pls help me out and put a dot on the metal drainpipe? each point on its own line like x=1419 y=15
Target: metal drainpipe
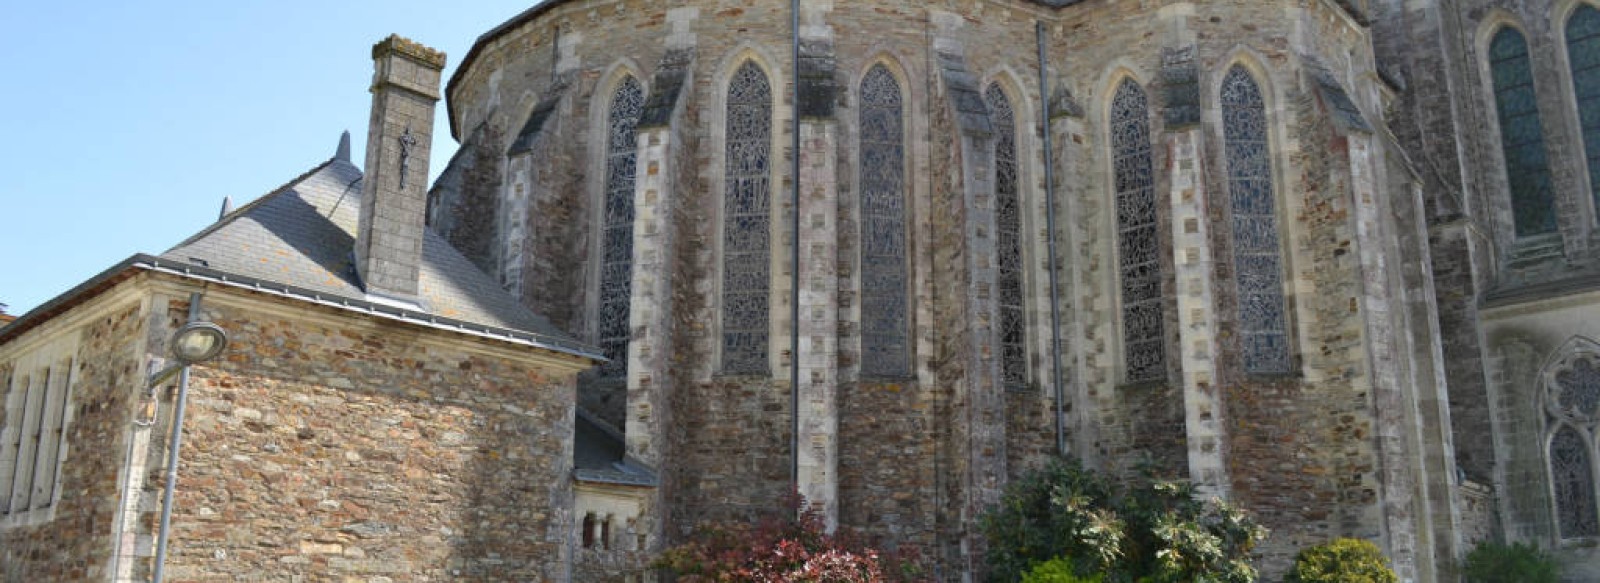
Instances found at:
x=173 y=444
x=1050 y=237
x=794 y=261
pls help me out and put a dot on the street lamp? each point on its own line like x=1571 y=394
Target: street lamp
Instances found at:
x=195 y=342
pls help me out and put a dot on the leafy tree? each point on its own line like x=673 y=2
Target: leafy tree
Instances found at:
x=1345 y=560
x=1148 y=531
x=1515 y=563
x=793 y=548
x=1057 y=570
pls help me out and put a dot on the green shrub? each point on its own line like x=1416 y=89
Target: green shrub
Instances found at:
x=1517 y=563
x=1151 y=530
x=1345 y=560
x=1057 y=570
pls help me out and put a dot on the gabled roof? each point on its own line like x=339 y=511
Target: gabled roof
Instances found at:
x=297 y=242
x=303 y=234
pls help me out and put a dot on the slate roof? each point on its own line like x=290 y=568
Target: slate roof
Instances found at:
x=303 y=235
x=599 y=455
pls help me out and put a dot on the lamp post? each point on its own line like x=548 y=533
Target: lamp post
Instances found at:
x=195 y=342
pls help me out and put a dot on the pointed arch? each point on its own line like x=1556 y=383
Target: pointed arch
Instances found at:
x=1138 y=234
x=885 y=346
x=1012 y=318
x=613 y=327
x=1521 y=134
x=1571 y=397
x=1582 y=35
x=1257 y=251
x=1572 y=470
x=747 y=221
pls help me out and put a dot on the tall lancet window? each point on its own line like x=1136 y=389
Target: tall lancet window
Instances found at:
x=1257 y=255
x=1583 y=52
x=1138 y=238
x=1573 y=401
x=884 y=349
x=1521 y=138
x=747 y=222
x=616 y=269
x=1008 y=240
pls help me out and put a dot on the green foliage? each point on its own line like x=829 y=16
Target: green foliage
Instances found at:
x=1345 y=560
x=791 y=548
x=1517 y=563
x=1149 y=531
x=1058 y=570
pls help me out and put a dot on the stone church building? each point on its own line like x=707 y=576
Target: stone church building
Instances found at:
x=1337 y=261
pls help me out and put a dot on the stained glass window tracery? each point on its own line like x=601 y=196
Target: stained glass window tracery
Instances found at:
x=1257 y=255
x=1521 y=137
x=616 y=267
x=1008 y=240
x=884 y=347
x=746 y=223
x=1572 y=476
x=1138 y=240
x=1583 y=53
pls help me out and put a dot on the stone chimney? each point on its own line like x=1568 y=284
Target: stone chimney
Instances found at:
x=394 y=190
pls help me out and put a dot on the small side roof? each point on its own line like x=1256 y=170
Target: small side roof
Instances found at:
x=298 y=241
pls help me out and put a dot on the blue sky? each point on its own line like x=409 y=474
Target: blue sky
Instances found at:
x=124 y=124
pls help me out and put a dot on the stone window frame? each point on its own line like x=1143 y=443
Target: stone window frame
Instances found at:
x=1500 y=201
x=778 y=285
x=1285 y=206
x=1111 y=84
x=1031 y=231
x=599 y=150
x=54 y=358
x=1553 y=420
x=1586 y=184
x=907 y=111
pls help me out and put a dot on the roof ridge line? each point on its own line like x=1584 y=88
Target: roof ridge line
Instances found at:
x=242 y=210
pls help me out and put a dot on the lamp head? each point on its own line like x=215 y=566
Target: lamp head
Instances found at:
x=198 y=342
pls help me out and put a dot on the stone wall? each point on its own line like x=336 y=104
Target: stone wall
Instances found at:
x=74 y=540
x=333 y=445
x=1303 y=450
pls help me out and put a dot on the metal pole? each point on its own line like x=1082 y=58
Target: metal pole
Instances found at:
x=794 y=260
x=1050 y=227
x=173 y=444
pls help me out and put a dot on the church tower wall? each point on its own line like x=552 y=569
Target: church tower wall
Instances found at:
x=1323 y=448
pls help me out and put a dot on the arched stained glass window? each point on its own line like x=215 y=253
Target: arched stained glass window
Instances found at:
x=1521 y=138
x=884 y=349
x=1138 y=239
x=1583 y=52
x=1257 y=255
x=616 y=269
x=1008 y=240
x=747 y=222
x=1572 y=476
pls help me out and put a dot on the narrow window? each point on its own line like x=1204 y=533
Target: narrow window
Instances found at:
x=746 y=226
x=885 y=351
x=52 y=436
x=1257 y=261
x=1583 y=52
x=1138 y=239
x=588 y=530
x=1008 y=240
x=16 y=403
x=1521 y=137
x=616 y=268
x=1572 y=475
x=28 y=446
